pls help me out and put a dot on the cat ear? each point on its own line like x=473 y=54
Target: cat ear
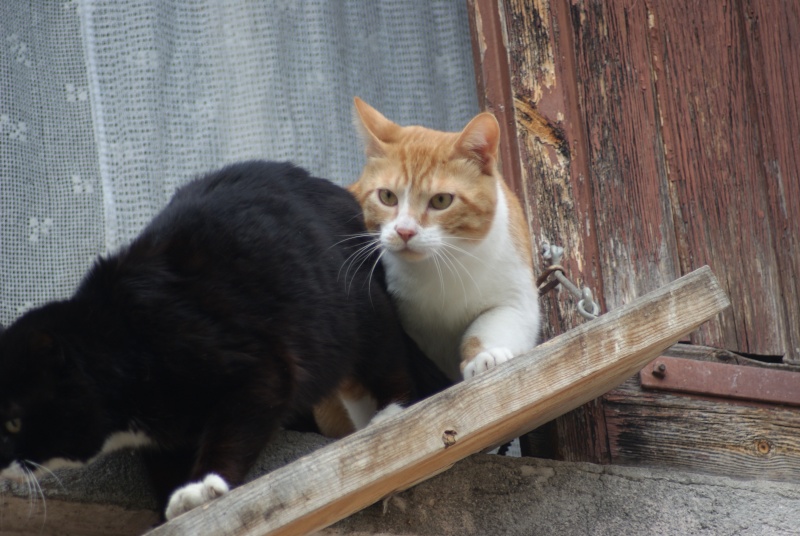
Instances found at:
x=375 y=129
x=479 y=142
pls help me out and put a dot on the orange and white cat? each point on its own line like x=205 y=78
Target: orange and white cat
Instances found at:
x=455 y=244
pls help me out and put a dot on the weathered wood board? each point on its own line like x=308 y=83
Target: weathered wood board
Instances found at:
x=658 y=428
x=487 y=410
x=771 y=29
x=627 y=172
x=703 y=80
x=35 y=517
x=719 y=436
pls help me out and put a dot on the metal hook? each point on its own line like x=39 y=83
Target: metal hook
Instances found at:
x=587 y=307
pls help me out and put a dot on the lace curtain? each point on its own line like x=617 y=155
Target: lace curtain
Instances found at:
x=107 y=106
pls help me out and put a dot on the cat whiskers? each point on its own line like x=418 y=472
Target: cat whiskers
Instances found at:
x=48 y=471
x=447 y=259
x=354 y=237
x=34 y=492
x=359 y=256
x=25 y=474
x=446 y=250
x=463 y=251
x=439 y=271
x=371 y=272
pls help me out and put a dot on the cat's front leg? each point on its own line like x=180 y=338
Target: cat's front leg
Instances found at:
x=220 y=466
x=496 y=336
x=233 y=437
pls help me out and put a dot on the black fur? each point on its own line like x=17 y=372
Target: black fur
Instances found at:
x=231 y=314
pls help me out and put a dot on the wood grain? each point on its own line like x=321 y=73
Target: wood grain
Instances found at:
x=655 y=137
x=628 y=176
x=660 y=136
x=487 y=410
x=32 y=517
x=774 y=49
x=713 y=146
x=556 y=191
x=702 y=434
x=537 y=81
x=558 y=195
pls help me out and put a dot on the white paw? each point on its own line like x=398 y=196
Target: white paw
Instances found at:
x=487 y=360
x=193 y=495
x=389 y=411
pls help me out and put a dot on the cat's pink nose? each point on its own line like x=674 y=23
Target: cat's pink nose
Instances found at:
x=405 y=234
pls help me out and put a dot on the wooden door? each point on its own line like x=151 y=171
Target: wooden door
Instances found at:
x=650 y=138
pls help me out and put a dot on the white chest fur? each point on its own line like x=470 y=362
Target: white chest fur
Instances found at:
x=441 y=297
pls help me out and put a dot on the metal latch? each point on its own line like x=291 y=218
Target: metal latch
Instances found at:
x=554 y=276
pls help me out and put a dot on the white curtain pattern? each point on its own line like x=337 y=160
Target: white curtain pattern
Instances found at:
x=106 y=107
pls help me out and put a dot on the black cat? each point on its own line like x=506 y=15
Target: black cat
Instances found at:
x=236 y=310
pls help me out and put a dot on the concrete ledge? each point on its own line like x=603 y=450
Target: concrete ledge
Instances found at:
x=495 y=495
x=483 y=494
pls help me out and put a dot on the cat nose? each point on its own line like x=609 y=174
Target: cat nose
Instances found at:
x=405 y=233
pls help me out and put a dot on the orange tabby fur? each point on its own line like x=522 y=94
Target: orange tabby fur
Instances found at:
x=420 y=158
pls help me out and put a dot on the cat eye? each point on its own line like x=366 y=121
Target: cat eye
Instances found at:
x=441 y=201
x=387 y=197
x=13 y=426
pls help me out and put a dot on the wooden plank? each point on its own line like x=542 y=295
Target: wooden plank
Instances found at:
x=774 y=51
x=704 y=85
x=33 y=516
x=430 y=436
x=556 y=190
x=723 y=380
x=658 y=429
x=634 y=218
x=582 y=435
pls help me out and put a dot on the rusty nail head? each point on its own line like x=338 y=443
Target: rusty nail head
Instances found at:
x=659 y=370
